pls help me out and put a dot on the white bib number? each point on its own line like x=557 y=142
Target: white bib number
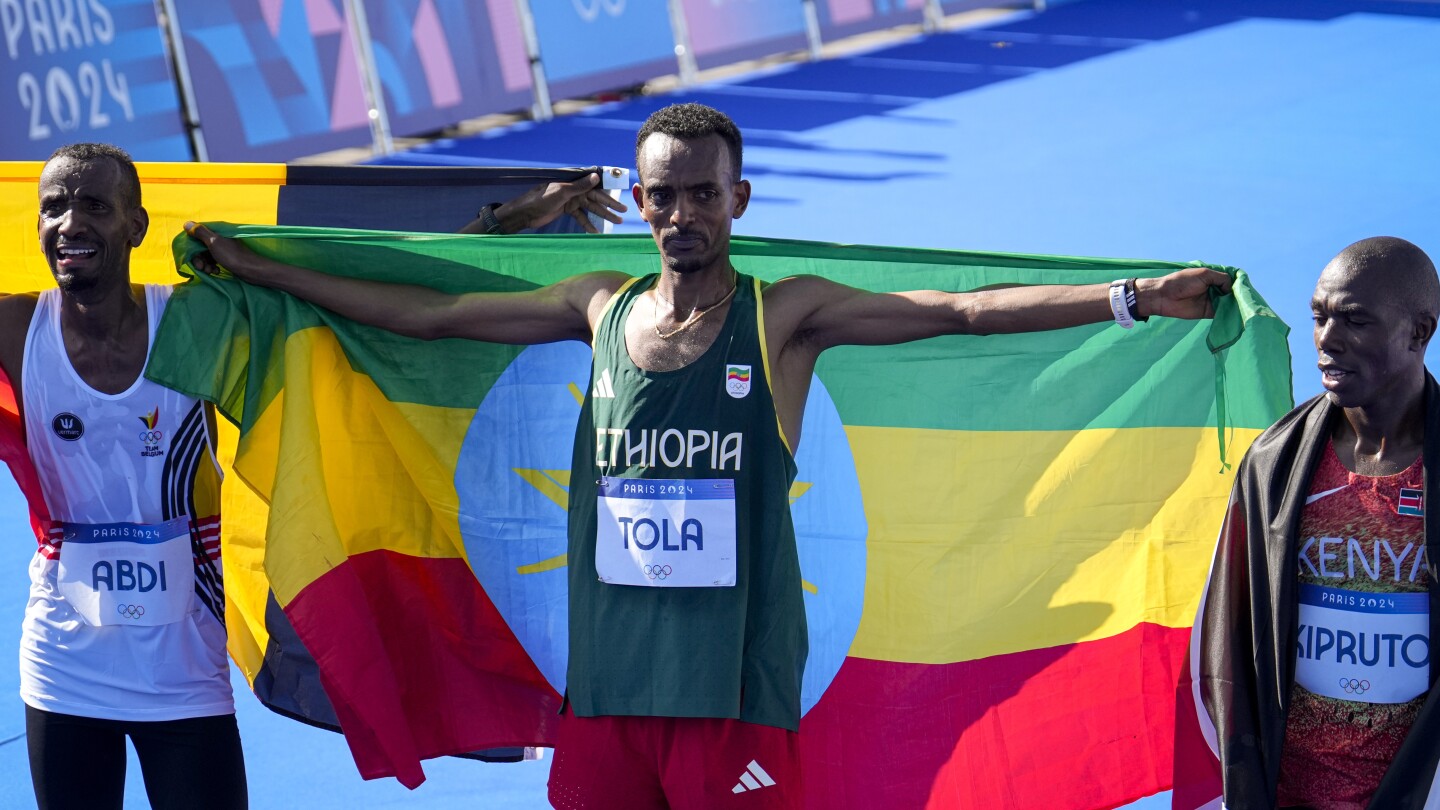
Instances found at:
x=1366 y=647
x=666 y=533
x=128 y=573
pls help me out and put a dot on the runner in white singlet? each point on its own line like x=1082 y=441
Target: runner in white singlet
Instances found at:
x=104 y=609
x=124 y=632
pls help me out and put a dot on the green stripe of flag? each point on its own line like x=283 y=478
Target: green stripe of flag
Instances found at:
x=1089 y=377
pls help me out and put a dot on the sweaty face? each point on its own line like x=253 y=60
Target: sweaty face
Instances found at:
x=86 y=227
x=688 y=194
x=1364 y=336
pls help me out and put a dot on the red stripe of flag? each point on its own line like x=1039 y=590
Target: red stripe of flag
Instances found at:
x=1075 y=727
x=17 y=456
x=418 y=663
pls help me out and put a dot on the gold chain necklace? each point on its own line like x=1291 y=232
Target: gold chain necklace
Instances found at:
x=695 y=315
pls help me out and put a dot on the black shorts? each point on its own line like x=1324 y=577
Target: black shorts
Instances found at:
x=79 y=762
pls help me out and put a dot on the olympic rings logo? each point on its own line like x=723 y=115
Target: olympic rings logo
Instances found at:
x=152 y=436
x=589 y=10
x=658 y=571
x=1354 y=687
x=130 y=611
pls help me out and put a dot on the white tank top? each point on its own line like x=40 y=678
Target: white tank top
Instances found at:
x=142 y=456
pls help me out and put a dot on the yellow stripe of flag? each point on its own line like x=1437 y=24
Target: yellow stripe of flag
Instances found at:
x=963 y=566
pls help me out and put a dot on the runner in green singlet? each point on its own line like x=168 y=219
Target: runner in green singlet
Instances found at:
x=686 y=657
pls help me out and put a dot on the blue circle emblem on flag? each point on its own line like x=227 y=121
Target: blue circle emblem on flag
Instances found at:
x=514 y=485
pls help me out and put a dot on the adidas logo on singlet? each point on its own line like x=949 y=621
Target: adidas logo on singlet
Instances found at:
x=753 y=778
x=604 y=388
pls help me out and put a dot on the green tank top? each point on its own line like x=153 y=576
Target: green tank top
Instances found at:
x=733 y=652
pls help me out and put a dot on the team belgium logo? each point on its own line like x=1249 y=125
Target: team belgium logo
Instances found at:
x=514 y=489
x=151 y=436
x=68 y=427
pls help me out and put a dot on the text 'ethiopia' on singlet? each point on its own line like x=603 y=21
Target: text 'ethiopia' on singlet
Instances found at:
x=1363 y=654
x=126 y=613
x=685 y=595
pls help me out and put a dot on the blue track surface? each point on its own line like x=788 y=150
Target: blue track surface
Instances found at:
x=1263 y=135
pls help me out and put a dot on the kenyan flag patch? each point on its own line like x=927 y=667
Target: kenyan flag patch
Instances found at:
x=1412 y=502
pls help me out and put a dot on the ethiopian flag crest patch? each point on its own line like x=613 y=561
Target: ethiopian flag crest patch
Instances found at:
x=737 y=381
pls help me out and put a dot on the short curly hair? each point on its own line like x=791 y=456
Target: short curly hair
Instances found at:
x=689 y=122
x=86 y=152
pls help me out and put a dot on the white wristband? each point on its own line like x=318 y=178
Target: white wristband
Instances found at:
x=1117 y=305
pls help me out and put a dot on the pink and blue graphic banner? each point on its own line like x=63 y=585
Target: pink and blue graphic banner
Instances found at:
x=277 y=79
x=725 y=31
x=952 y=6
x=841 y=18
x=442 y=61
x=87 y=70
x=589 y=46
x=274 y=79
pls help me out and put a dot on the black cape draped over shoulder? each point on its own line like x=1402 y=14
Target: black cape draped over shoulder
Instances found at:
x=1250 y=614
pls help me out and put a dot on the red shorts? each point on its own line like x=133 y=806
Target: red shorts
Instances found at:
x=683 y=763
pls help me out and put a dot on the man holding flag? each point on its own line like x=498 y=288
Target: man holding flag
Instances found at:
x=687 y=632
x=124 y=630
x=124 y=633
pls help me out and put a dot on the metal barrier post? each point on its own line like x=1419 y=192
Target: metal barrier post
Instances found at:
x=934 y=15
x=175 y=44
x=370 y=79
x=541 y=110
x=684 y=54
x=812 y=28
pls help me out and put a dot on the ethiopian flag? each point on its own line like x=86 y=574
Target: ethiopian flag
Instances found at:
x=1002 y=539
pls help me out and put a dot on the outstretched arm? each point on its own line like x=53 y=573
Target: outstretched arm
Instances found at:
x=546 y=203
x=823 y=313
x=561 y=311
